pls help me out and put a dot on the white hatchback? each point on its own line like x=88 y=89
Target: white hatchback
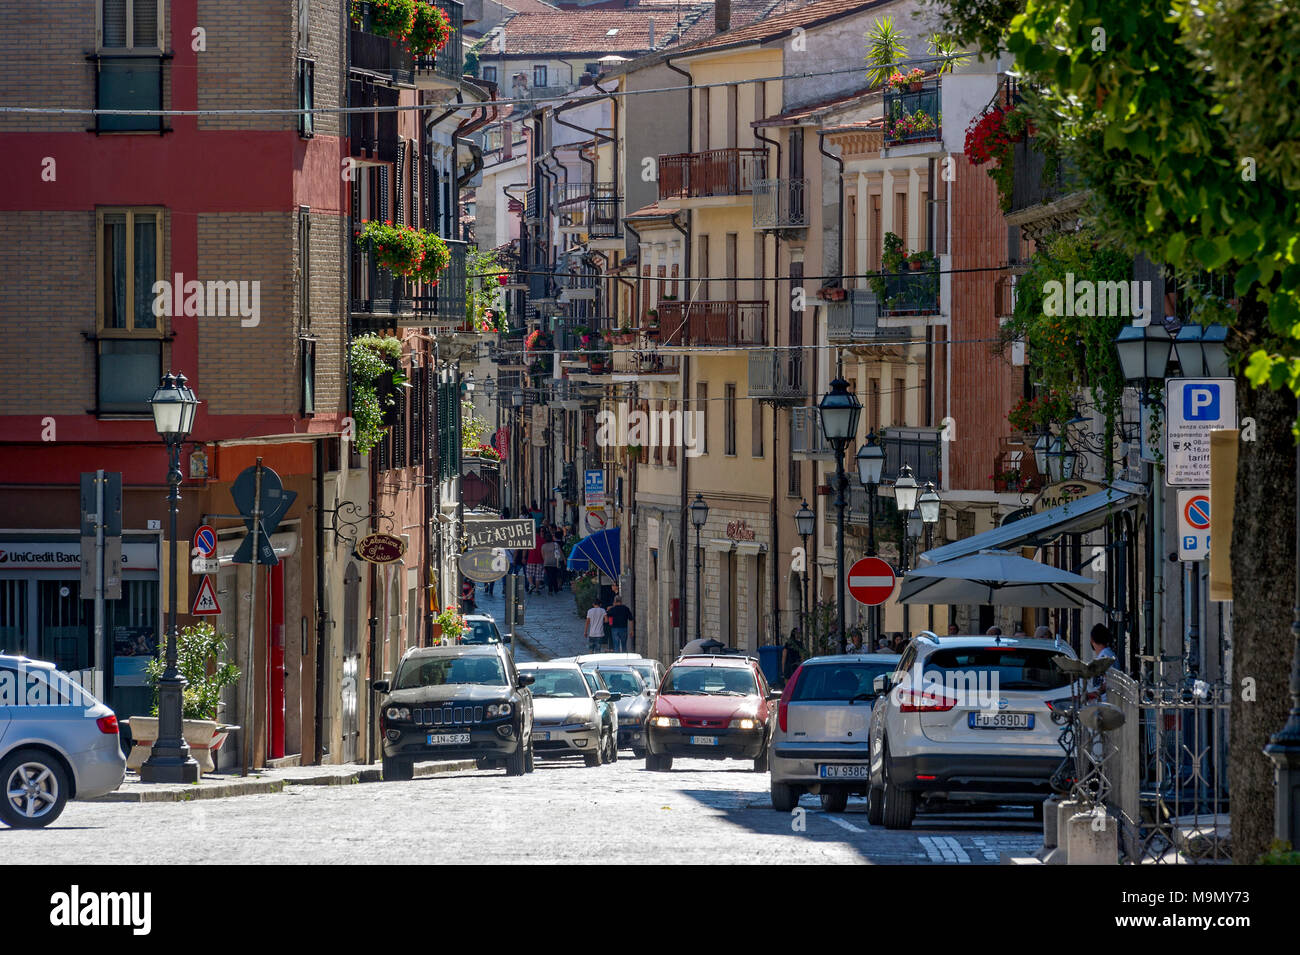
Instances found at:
x=966 y=719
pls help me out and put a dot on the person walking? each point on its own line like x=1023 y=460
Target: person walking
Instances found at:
x=791 y=655
x=467 y=602
x=620 y=624
x=551 y=563
x=536 y=568
x=594 y=627
x=1101 y=641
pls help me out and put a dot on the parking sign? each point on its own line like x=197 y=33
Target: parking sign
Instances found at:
x=1195 y=407
x=1194 y=524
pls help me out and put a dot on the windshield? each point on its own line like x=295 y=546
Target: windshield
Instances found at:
x=626 y=682
x=557 y=683
x=709 y=681
x=482 y=631
x=1016 y=668
x=440 y=671
x=647 y=672
x=838 y=682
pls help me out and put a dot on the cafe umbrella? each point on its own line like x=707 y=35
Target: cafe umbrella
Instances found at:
x=997 y=578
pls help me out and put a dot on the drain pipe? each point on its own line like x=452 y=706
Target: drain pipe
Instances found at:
x=776 y=337
x=684 y=501
x=839 y=234
x=322 y=605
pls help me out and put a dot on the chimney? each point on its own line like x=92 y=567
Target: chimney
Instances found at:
x=652 y=33
x=722 y=15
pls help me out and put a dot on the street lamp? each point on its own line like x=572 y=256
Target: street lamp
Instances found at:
x=1143 y=353
x=840 y=409
x=929 y=505
x=169 y=761
x=805 y=522
x=1202 y=351
x=1061 y=461
x=871 y=462
x=699 y=517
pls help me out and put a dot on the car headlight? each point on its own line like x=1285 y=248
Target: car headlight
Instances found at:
x=398 y=713
x=498 y=709
x=745 y=724
x=666 y=721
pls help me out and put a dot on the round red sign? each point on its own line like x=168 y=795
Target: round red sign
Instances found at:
x=871 y=581
x=381 y=548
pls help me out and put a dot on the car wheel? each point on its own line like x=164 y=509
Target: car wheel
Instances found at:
x=483 y=763
x=835 y=800
x=638 y=754
x=658 y=764
x=784 y=797
x=35 y=789
x=398 y=770
x=875 y=805
x=593 y=759
x=517 y=762
x=761 y=763
x=900 y=804
x=529 y=760
x=613 y=747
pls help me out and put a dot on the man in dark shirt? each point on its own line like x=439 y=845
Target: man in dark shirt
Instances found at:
x=619 y=618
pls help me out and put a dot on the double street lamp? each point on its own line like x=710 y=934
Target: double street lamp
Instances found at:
x=906 y=493
x=699 y=517
x=839 y=409
x=871 y=462
x=170 y=761
x=929 y=505
x=805 y=522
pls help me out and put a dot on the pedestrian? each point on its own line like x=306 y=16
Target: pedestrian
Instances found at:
x=551 y=563
x=900 y=643
x=620 y=620
x=1101 y=641
x=953 y=630
x=993 y=632
x=1042 y=632
x=594 y=628
x=536 y=568
x=854 y=643
x=467 y=602
x=1020 y=635
x=791 y=655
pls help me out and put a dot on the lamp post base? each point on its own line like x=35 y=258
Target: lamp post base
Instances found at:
x=169 y=768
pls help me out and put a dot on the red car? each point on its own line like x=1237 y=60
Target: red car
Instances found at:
x=711 y=707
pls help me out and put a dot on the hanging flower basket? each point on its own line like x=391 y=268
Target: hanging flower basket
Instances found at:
x=431 y=29
x=391 y=18
x=397 y=249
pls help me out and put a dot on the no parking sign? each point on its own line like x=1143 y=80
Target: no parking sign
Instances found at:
x=1194 y=524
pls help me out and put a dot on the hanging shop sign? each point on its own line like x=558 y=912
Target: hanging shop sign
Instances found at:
x=1063 y=492
x=381 y=549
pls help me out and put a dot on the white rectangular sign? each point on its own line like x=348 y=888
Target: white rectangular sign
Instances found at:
x=1193 y=408
x=204 y=565
x=1194 y=524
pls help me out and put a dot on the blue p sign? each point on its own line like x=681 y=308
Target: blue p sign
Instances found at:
x=1201 y=403
x=1189 y=543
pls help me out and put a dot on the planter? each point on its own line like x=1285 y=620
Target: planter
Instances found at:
x=915 y=266
x=651 y=332
x=916 y=87
x=623 y=338
x=203 y=736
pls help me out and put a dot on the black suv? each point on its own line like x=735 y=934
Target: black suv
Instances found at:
x=461 y=702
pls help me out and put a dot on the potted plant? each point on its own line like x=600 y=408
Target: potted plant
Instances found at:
x=652 y=324
x=198 y=647
x=430 y=29
x=885 y=46
x=916 y=79
x=448 y=626
x=391 y=18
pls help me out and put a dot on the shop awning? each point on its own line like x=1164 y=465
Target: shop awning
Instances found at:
x=599 y=550
x=1076 y=517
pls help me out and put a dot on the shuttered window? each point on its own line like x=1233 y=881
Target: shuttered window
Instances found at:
x=130 y=24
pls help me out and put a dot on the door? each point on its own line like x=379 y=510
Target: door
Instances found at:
x=350 y=722
x=13 y=617
x=275 y=660
x=796 y=175
x=732 y=588
x=64 y=635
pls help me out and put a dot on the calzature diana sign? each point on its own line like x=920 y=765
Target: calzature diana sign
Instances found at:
x=515 y=533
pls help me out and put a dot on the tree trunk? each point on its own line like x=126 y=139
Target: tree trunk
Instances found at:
x=1263 y=581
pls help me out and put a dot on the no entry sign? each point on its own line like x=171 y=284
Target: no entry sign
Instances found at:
x=871 y=581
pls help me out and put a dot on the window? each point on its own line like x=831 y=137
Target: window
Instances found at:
x=419 y=399
x=304 y=266
x=124 y=80
x=129 y=334
x=729 y=426
x=490 y=74
x=539 y=76
x=306 y=98
x=308 y=353
x=304 y=24
x=900 y=401
x=399 y=427
x=702 y=283
x=701 y=416
x=794 y=472
x=756 y=429
x=593 y=68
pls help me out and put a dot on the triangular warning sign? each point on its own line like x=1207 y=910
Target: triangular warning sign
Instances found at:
x=205 y=601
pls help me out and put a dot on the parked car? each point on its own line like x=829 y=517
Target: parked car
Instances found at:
x=460 y=702
x=821 y=743
x=607 y=706
x=711 y=707
x=934 y=738
x=482 y=630
x=57 y=742
x=569 y=710
x=652 y=671
x=633 y=705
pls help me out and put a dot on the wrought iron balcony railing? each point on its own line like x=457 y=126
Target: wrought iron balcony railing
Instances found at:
x=912 y=292
x=713 y=323
x=920 y=448
x=377 y=292
x=912 y=115
x=806 y=435
x=1034 y=180
x=857 y=318
x=777 y=375
x=780 y=203
x=449 y=62
x=715 y=172
x=376 y=54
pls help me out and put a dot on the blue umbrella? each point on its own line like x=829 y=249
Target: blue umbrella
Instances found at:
x=599 y=549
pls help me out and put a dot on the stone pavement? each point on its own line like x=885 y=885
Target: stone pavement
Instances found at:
x=551 y=627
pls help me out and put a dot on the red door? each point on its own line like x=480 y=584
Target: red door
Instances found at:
x=275 y=660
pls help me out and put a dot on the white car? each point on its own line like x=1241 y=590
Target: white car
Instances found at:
x=822 y=744
x=966 y=719
x=652 y=671
x=481 y=628
x=573 y=714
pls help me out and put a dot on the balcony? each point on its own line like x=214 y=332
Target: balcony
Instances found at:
x=911 y=292
x=806 y=436
x=912 y=115
x=859 y=500
x=857 y=319
x=394 y=301
x=591 y=208
x=372 y=135
x=1044 y=195
x=443 y=70
x=378 y=55
x=716 y=172
x=781 y=204
x=920 y=448
x=725 y=324
x=777 y=376
x=1015 y=470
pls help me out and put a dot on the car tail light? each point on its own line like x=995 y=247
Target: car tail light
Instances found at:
x=1063 y=704
x=107 y=724
x=785 y=696
x=914 y=701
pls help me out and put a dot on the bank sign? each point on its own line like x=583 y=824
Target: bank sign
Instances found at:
x=56 y=555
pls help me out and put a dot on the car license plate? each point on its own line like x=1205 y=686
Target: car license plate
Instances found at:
x=843 y=772
x=704 y=741
x=448 y=739
x=1001 y=721
x=543 y=735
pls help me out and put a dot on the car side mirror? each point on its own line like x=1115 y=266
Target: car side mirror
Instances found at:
x=881 y=684
x=507 y=638
x=602 y=696
x=615 y=697
x=380 y=686
x=526 y=679
x=773 y=695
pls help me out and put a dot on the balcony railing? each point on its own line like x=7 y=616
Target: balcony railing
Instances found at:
x=716 y=172
x=1015 y=471
x=449 y=62
x=912 y=293
x=604 y=217
x=777 y=375
x=713 y=323
x=445 y=303
x=372 y=53
x=920 y=448
x=1033 y=180
x=857 y=318
x=780 y=204
x=859 y=500
x=806 y=435
x=912 y=115
x=373 y=135
x=377 y=292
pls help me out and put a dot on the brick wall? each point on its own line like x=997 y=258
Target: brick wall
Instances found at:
x=328 y=319
x=249 y=62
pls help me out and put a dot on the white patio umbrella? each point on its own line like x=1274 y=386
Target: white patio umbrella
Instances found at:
x=995 y=577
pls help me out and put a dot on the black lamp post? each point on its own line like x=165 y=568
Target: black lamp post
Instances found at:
x=170 y=761
x=871 y=462
x=699 y=517
x=929 y=505
x=906 y=492
x=840 y=409
x=805 y=522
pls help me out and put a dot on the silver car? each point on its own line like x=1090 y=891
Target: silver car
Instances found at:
x=633 y=705
x=652 y=671
x=57 y=742
x=567 y=714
